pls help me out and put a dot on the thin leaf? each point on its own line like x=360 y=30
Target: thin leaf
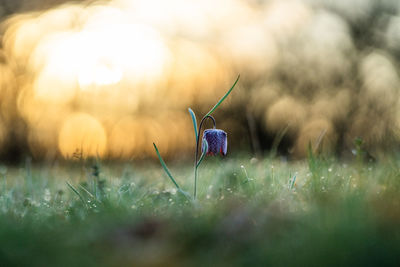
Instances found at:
x=292 y=182
x=76 y=192
x=277 y=140
x=86 y=191
x=223 y=98
x=186 y=194
x=203 y=154
x=165 y=168
x=194 y=122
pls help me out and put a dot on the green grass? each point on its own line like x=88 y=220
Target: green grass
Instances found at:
x=248 y=213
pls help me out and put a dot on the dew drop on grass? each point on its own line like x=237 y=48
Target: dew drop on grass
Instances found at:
x=47 y=195
x=171 y=191
x=253 y=161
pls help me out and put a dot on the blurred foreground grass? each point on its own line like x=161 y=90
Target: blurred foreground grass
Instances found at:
x=249 y=212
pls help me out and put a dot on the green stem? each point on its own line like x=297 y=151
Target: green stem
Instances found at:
x=196 y=155
x=195 y=182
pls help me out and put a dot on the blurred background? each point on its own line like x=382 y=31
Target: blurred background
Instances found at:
x=108 y=78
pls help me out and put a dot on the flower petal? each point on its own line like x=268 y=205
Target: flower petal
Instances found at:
x=216 y=140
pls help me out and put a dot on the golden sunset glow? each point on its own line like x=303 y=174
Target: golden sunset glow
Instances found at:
x=83 y=134
x=112 y=77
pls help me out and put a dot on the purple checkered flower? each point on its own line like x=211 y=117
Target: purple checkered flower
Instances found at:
x=216 y=140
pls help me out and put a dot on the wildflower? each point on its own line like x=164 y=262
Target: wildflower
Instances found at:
x=216 y=140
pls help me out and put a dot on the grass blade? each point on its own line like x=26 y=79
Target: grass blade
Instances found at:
x=194 y=122
x=87 y=192
x=223 y=98
x=186 y=194
x=292 y=182
x=277 y=140
x=165 y=168
x=76 y=192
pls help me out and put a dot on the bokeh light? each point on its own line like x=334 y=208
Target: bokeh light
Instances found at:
x=111 y=77
x=83 y=134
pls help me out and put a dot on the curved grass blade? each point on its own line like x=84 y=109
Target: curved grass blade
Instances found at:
x=194 y=122
x=165 y=168
x=223 y=98
x=76 y=192
x=87 y=192
x=203 y=154
x=292 y=182
x=277 y=140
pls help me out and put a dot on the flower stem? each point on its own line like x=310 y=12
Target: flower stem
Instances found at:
x=196 y=155
x=195 y=182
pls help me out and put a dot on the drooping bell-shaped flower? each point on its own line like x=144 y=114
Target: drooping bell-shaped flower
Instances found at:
x=216 y=140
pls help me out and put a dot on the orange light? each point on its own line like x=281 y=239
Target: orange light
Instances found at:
x=82 y=132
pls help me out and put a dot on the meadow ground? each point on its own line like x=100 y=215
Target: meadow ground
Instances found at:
x=249 y=213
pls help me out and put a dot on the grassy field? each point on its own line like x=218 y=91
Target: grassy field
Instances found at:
x=249 y=212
